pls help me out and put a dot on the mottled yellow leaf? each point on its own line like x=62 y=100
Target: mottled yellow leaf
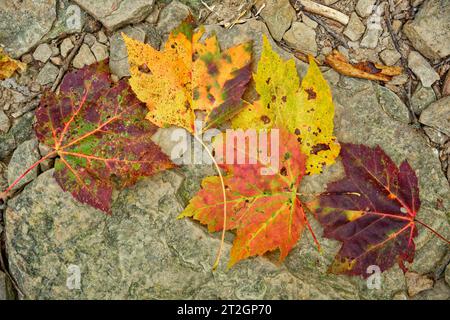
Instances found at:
x=189 y=75
x=8 y=65
x=306 y=110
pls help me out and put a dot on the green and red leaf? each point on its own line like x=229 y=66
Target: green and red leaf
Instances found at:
x=98 y=130
x=371 y=211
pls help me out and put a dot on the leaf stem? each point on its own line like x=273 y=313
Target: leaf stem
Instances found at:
x=329 y=194
x=222 y=241
x=432 y=230
x=51 y=154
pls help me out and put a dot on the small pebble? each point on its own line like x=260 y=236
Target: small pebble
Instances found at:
x=57 y=61
x=90 y=39
x=42 y=53
x=66 y=47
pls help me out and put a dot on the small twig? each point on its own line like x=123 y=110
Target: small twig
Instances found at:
x=442 y=62
x=404 y=63
x=325 y=11
x=394 y=36
x=237 y=20
x=67 y=63
x=260 y=10
x=211 y=9
x=297 y=53
x=334 y=34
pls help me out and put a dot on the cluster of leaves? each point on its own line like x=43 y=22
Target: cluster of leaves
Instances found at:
x=266 y=211
x=98 y=132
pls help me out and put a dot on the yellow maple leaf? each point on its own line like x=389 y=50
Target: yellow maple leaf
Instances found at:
x=189 y=75
x=306 y=110
x=8 y=65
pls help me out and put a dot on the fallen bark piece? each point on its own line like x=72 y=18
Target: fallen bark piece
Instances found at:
x=364 y=70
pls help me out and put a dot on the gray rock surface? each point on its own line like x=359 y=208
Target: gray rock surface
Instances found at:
x=422 y=69
x=84 y=57
x=355 y=28
x=370 y=38
x=24 y=23
x=364 y=7
x=437 y=115
x=48 y=74
x=90 y=39
x=23 y=158
x=22 y=129
x=422 y=98
x=70 y=19
x=435 y=135
x=100 y=51
x=440 y=291
x=3 y=177
x=391 y=104
x=65 y=47
x=101 y=37
x=114 y=14
x=5 y=124
x=429 y=32
x=171 y=16
x=6 y=288
x=417 y=283
x=278 y=16
x=143 y=252
x=447 y=275
x=42 y=53
x=302 y=38
x=118 y=62
x=7 y=144
x=390 y=57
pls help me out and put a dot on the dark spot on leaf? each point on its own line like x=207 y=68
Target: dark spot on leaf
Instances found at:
x=268 y=80
x=319 y=147
x=265 y=119
x=212 y=69
x=283 y=171
x=284 y=98
x=311 y=93
x=297 y=131
x=144 y=69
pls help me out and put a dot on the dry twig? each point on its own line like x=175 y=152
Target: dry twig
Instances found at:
x=330 y=31
x=324 y=11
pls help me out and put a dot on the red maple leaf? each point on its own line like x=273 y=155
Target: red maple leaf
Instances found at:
x=99 y=133
x=372 y=211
